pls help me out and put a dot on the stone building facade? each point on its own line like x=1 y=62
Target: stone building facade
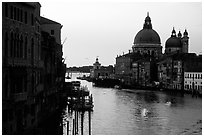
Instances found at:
x=172 y=67
x=23 y=67
x=99 y=71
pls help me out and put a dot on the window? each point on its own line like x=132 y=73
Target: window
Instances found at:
x=6 y=44
x=32 y=19
x=11 y=45
x=11 y=12
x=25 y=17
x=6 y=10
x=25 y=48
x=15 y=13
x=52 y=32
x=21 y=15
x=32 y=49
x=17 y=46
x=21 y=46
x=18 y=14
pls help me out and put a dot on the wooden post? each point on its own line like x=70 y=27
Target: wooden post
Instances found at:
x=75 y=122
x=77 y=127
x=82 y=124
x=67 y=127
x=89 y=122
x=73 y=128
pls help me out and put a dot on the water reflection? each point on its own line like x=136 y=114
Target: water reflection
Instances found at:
x=132 y=112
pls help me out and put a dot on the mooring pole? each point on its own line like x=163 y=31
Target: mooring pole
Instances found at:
x=73 y=128
x=75 y=115
x=89 y=122
x=67 y=127
x=82 y=124
x=77 y=122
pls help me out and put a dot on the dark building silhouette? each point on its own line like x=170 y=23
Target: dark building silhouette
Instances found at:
x=138 y=67
x=23 y=67
x=147 y=40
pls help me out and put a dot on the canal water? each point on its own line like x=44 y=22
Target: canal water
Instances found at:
x=139 y=112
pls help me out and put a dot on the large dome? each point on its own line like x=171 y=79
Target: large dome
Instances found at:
x=147 y=36
x=173 y=42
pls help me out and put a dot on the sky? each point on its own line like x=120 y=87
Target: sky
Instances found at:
x=107 y=28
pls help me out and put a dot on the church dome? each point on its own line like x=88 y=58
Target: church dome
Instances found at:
x=173 y=41
x=147 y=34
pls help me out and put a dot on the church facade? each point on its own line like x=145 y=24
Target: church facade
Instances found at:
x=146 y=65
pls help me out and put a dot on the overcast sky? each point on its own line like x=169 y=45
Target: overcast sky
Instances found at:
x=108 y=28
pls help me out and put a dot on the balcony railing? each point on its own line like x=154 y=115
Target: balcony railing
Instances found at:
x=20 y=96
x=17 y=62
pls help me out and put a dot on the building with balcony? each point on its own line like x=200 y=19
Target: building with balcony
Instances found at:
x=24 y=67
x=172 y=68
x=20 y=64
x=193 y=81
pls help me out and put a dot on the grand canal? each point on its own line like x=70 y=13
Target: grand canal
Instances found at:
x=139 y=112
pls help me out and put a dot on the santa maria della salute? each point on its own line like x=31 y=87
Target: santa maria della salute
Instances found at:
x=146 y=65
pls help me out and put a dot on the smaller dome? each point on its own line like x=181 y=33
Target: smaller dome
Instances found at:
x=173 y=42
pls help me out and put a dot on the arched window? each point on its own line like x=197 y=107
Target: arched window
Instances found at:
x=32 y=48
x=21 y=46
x=25 y=47
x=17 y=46
x=12 y=45
x=6 y=44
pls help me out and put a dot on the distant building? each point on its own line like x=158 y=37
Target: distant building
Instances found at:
x=100 y=72
x=193 y=81
x=171 y=69
x=138 y=67
x=146 y=64
x=144 y=72
x=177 y=43
x=123 y=68
x=193 y=75
x=147 y=40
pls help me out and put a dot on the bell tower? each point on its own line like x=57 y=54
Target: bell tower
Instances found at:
x=185 y=42
x=96 y=65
